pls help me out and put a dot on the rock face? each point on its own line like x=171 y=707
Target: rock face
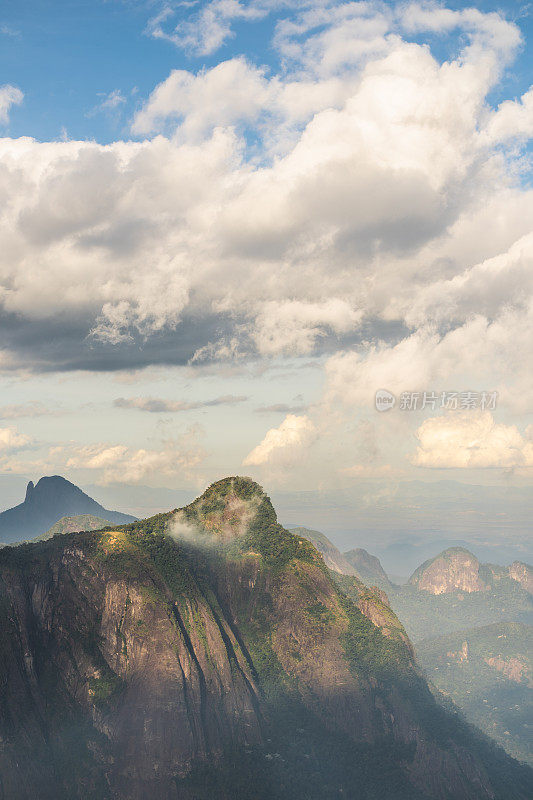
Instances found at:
x=208 y=653
x=453 y=570
x=513 y=668
x=48 y=501
x=523 y=574
x=368 y=568
x=458 y=570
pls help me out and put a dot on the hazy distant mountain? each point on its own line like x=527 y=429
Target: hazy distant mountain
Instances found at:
x=81 y=522
x=221 y=661
x=332 y=556
x=458 y=570
x=355 y=562
x=45 y=503
x=488 y=673
x=368 y=568
x=454 y=591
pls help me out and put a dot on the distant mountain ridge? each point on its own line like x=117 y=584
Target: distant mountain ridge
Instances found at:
x=47 y=502
x=358 y=562
x=368 y=568
x=333 y=558
x=475 y=621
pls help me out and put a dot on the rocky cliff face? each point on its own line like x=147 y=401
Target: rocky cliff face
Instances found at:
x=453 y=570
x=522 y=574
x=458 y=570
x=218 y=661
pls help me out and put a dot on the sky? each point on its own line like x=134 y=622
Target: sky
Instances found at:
x=225 y=226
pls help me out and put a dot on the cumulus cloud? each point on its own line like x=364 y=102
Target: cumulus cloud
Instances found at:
x=9 y=96
x=478 y=353
x=11 y=440
x=487 y=30
x=118 y=463
x=284 y=444
x=470 y=440
x=292 y=327
x=364 y=199
x=512 y=120
x=230 y=92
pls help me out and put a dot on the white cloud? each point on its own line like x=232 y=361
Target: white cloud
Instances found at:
x=233 y=91
x=284 y=212
x=480 y=354
x=472 y=440
x=512 y=120
x=292 y=327
x=284 y=444
x=490 y=32
x=11 y=440
x=118 y=463
x=7 y=30
x=109 y=103
x=9 y=96
x=206 y=31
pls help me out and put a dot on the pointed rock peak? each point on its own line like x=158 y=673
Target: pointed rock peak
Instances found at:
x=29 y=490
x=229 y=506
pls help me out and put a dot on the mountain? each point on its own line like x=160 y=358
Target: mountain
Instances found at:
x=471 y=624
x=454 y=591
x=45 y=503
x=406 y=522
x=457 y=569
x=208 y=653
x=368 y=568
x=355 y=562
x=81 y=522
x=332 y=556
x=488 y=673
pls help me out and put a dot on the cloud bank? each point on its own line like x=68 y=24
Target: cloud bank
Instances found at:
x=279 y=213
x=361 y=202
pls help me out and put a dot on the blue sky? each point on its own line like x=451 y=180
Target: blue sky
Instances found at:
x=67 y=56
